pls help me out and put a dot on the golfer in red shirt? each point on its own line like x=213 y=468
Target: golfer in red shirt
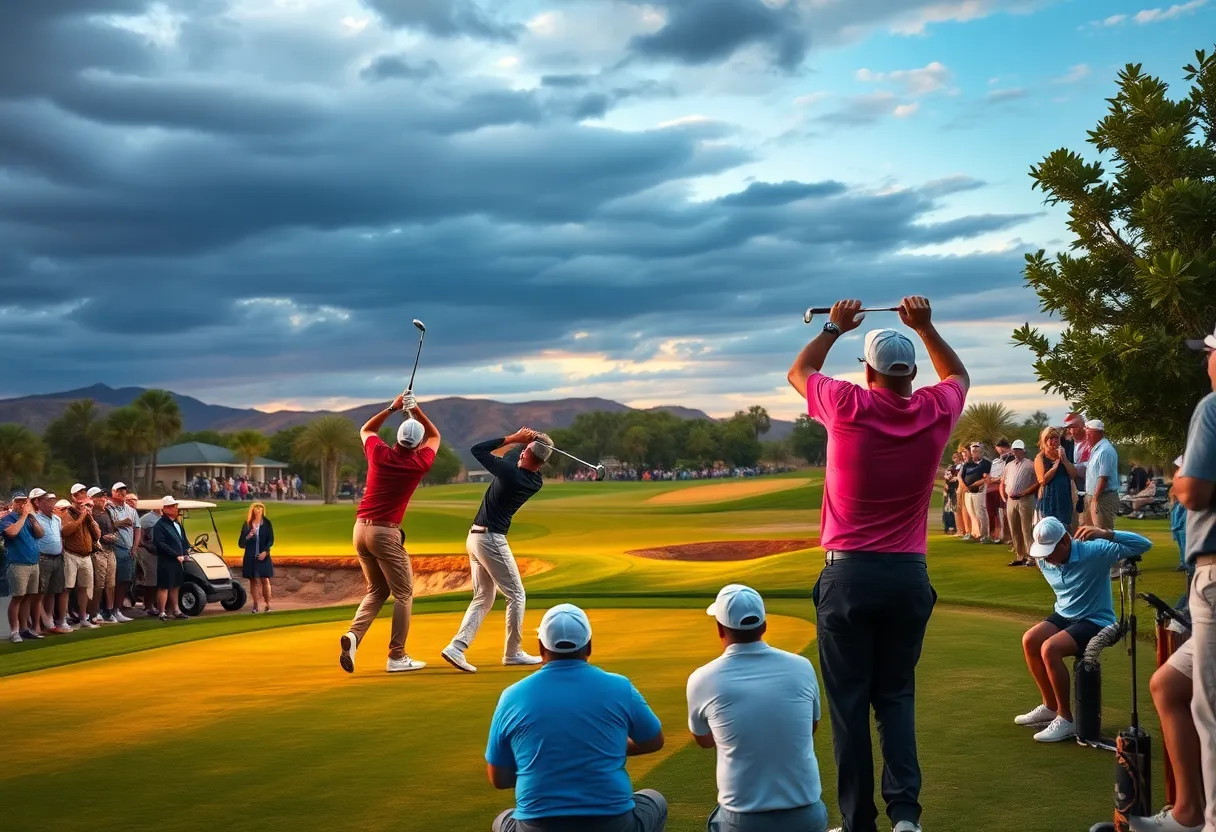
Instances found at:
x=873 y=598
x=392 y=476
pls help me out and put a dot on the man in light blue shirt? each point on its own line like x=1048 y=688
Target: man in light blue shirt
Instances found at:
x=54 y=610
x=1101 y=478
x=1077 y=569
x=560 y=738
x=759 y=707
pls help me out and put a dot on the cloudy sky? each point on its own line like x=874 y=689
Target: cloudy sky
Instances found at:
x=248 y=200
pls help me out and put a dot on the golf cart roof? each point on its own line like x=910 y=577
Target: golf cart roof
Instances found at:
x=185 y=505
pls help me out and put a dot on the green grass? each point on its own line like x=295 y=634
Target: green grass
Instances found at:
x=250 y=718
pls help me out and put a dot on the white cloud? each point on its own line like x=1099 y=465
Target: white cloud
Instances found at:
x=1076 y=73
x=958 y=11
x=509 y=62
x=905 y=110
x=811 y=98
x=1113 y=20
x=545 y=24
x=1173 y=12
x=930 y=78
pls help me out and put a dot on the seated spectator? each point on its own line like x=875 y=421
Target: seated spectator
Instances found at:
x=759 y=707
x=1172 y=687
x=1078 y=570
x=560 y=738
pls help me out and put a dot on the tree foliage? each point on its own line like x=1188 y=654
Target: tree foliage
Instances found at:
x=809 y=440
x=164 y=424
x=985 y=422
x=75 y=440
x=207 y=437
x=329 y=441
x=447 y=466
x=22 y=456
x=1141 y=273
x=128 y=432
x=248 y=445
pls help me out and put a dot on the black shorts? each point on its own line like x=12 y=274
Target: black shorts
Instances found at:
x=1081 y=631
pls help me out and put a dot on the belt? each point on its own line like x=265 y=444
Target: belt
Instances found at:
x=904 y=557
x=384 y=524
x=478 y=530
x=1205 y=560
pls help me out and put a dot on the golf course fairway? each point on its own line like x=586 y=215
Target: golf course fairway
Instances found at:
x=240 y=722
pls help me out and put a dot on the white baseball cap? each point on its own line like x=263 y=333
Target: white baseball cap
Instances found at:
x=1047 y=535
x=117 y=486
x=93 y=492
x=1095 y=424
x=890 y=352
x=168 y=501
x=1178 y=462
x=564 y=629
x=738 y=607
x=63 y=504
x=1019 y=445
x=76 y=488
x=410 y=433
x=37 y=493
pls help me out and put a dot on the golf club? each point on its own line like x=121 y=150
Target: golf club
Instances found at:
x=421 y=328
x=600 y=470
x=823 y=310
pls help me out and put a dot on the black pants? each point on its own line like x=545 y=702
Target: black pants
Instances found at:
x=872 y=611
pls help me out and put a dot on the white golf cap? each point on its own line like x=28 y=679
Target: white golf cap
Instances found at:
x=1207 y=343
x=36 y=493
x=540 y=450
x=63 y=504
x=77 y=488
x=410 y=433
x=1047 y=535
x=1178 y=462
x=979 y=445
x=738 y=607
x=1077 y=418
x=93 y=492
x=168 y=501
x=1019 y=445
x=1095 y=424
x=890 y=352
x=564 y=629
x=118 y=486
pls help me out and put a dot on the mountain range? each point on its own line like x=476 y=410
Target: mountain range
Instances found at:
x=463 y=421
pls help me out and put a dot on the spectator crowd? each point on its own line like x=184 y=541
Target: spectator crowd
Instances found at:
x=242 y=489
x=632 y=474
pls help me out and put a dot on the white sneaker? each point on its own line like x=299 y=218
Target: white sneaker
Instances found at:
x=120 y=618
x=1059 y=730
x=1162 y=822
x=906 y=826
x=403 y=665
x=15 y=637
x=86 y=624
x=349 y=645
x=454 y=656
x=521 y=659
x=1039 y=716
x=105 y=619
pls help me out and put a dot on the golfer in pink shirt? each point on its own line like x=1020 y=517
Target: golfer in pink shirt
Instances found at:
x=873 y=598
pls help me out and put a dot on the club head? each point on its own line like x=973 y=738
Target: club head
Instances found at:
x=808 y=315
x=600 y=473
x=421 y=326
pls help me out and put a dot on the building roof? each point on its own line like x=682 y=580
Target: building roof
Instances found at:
x=200 y=453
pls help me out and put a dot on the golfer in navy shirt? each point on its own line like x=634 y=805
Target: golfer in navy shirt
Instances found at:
x=1078 y=570
x=560 y=738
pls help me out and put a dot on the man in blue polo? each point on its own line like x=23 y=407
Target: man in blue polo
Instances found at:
x=759 y=707
x=21 y=532
x=560 y=738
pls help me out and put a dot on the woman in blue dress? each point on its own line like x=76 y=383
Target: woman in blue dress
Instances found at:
x=1055 y=475
x=257 y=536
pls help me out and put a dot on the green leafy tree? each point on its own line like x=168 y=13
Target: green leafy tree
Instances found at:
x=447 y=466
x=1141 y=273
x=22 y=455
x=634 y=445
x=248 y=445
x=164 y=424
x=739 y=443
x=985 y=422
x=81 y=417
x=329 y=441
x=758 y=417
x=702 y=446
x=809 y=439
x=127 y=432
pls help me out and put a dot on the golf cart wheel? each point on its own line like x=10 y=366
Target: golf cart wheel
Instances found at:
x=191 y=600
x=238 y=599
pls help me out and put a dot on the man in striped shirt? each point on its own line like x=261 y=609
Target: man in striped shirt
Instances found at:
x=1019 y=489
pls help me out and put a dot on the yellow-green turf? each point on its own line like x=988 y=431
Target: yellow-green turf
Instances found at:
x=243 y=722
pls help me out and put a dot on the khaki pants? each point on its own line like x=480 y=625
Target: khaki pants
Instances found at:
x=977 y=509
x=1203 y=703
x=105 y=569
x=1100 y=511
x=386 y=566
x=493 y=567
x=1021 y=524
x=78 y=572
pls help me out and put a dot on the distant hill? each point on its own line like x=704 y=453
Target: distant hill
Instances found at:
x=463 y=421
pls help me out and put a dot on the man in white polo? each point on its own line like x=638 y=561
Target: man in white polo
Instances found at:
x=759 y=707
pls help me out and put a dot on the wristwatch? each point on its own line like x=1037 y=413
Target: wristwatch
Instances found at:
x=831 y=328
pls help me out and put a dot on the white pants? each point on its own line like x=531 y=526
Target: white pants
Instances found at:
x=977 y=508
x=493 y=567
x=1203 y=702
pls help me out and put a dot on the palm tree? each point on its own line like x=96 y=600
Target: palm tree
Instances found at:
x=128 y=432
x=759 y=418
x=328 y=440
x=21 y=455
x=164 y=424
x=985 y=422
x=81 y=419
x=248 y=445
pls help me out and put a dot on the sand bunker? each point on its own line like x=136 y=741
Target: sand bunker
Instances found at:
x=724 y=550
x=722 y=491
x=300 y=582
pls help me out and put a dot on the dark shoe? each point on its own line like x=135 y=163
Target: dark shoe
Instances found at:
x=1017 y=563
x=181 y=616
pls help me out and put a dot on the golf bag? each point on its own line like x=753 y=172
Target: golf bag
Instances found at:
x=1087 y=683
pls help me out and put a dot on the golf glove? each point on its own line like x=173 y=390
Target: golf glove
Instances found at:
x=408 y=402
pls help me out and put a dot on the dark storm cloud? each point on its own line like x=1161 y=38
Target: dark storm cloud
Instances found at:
x=760 y=194
x=710 y=31
x=383 y=67
x=444 y=18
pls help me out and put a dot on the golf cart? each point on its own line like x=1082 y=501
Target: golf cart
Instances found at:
x=208 y=578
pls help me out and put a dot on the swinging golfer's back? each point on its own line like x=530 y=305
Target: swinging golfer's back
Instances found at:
x=873 y=598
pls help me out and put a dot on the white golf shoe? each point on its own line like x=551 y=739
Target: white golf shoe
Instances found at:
x=120 y=618
x=1041 y=715
x=1059 y=730
x=403 y=665
x=454 y=656
x=349 y=645
x=521 y=659
x=1163 y=821
x=906 y=826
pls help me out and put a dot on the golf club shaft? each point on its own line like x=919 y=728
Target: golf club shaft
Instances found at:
x=417 y=356
x=576 y=459
x=823 y=310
